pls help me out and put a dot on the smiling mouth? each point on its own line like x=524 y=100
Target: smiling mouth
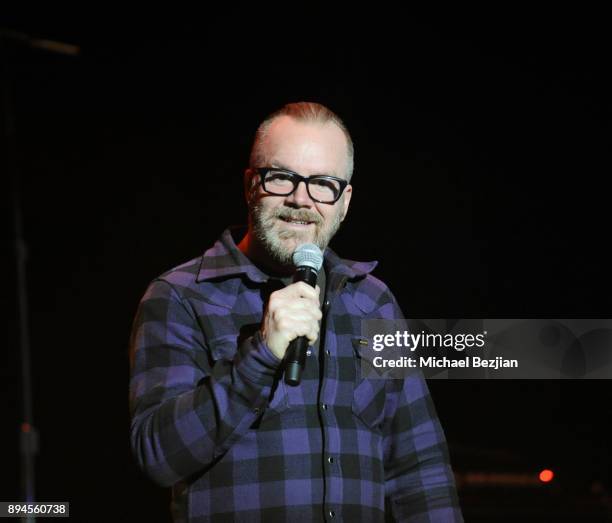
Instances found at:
x=295 y=222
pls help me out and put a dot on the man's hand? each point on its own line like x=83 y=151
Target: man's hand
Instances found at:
x=291 y=312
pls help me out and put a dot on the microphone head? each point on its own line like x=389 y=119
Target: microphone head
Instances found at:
x=308 y=255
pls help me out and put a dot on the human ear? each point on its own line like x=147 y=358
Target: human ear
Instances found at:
x=346 y=200
x=248 y=185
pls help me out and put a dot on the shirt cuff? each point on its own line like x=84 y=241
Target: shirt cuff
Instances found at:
x=257 y=364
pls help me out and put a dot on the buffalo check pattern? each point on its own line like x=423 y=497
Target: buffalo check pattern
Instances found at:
x=212 y=418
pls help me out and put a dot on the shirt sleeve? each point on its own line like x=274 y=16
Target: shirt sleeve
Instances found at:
x=187 y=410
x=419 y=481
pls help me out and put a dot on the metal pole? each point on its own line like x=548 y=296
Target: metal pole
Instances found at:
x=29 y=437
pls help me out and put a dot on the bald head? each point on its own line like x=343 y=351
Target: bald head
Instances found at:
x=306 y=147
x=318 y=116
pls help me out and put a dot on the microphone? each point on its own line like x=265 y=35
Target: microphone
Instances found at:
x=308 y=260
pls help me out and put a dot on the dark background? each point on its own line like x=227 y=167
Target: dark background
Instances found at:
x=481 y=186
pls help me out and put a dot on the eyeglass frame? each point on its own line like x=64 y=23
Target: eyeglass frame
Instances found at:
x=262 y=171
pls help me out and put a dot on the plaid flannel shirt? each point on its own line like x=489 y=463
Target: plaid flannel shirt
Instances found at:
x=212 y=417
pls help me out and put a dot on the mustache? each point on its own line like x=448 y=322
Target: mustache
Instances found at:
x=302 y=215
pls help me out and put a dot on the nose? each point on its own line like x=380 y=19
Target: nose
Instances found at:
x=300 y=196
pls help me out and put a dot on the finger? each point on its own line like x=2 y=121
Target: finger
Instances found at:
x=309 y=329
x=303 y=328
x=290 y=296
x=302 y=290
x=296 y=311
x=312 y=336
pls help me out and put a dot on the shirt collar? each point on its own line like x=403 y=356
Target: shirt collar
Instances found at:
x=224 y=260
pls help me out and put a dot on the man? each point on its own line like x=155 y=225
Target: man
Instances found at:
x=212 y=416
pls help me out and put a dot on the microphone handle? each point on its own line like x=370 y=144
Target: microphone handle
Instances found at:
x=295 y=358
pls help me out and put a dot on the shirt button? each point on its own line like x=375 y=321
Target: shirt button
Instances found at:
x=324 y=406
x=327 y=352
x=330 y=459
x=332 y=514
x=308 y=352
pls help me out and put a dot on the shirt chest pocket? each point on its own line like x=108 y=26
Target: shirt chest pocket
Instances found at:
x=369 y=394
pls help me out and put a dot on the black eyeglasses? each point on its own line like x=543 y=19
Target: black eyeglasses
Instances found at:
x=281 y=182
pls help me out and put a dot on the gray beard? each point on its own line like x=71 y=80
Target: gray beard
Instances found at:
x=280 y=244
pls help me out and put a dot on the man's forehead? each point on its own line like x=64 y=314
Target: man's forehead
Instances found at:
x=318 y=148
x=287 y=126
x=312 y=170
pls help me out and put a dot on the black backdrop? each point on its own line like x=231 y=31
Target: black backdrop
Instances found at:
x=482 y=158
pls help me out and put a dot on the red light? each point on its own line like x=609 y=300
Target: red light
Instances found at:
x=546 y=475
